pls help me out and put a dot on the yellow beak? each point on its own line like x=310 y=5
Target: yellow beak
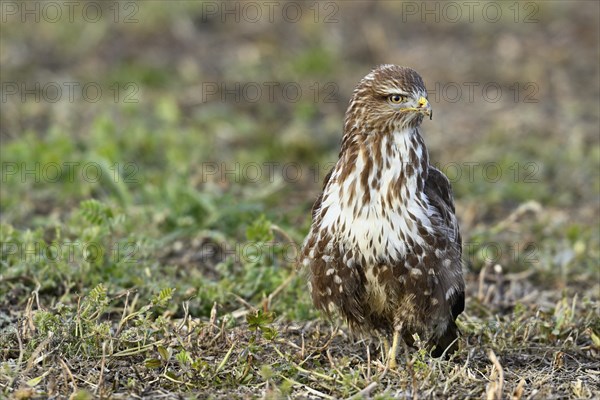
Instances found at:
x=424 y=107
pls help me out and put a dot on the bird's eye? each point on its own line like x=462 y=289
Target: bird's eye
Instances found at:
x=396 y=98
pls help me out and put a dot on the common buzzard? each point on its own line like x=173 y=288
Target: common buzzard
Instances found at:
x=384 y=248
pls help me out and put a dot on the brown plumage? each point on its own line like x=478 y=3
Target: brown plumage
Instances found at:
x=384 y=248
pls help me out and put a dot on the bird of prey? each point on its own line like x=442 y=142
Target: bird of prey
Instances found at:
x=384 y=247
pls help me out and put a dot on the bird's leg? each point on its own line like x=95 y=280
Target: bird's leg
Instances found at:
x=384 y=346
x=394 y=350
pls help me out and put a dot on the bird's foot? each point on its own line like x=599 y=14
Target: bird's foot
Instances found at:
x=391 y=363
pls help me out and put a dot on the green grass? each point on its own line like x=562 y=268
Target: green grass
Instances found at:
x=158 y=266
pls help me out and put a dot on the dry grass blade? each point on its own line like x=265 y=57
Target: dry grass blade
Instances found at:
x=494 y=390
x=364 y=392
x=225 y=359
x=102 y=363
x=33 y=359
x=308 y=388
x=518 y=393
x=68 y=372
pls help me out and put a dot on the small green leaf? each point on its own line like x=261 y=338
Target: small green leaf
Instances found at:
x=259 y=319
x=34 y=381
x=183 y=357
x=260 y=230
x=152 y=363
x=163 y=297
x=95 y=212
x=164 y=353
x=269 y=333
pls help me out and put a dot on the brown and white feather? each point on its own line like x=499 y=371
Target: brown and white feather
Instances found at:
x=384 y=248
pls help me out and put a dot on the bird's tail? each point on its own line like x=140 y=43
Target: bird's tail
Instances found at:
x=446 y=342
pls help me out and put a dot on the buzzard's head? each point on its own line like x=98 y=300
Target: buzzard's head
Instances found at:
x=390 y=98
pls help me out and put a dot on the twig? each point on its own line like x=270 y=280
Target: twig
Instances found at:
x=186 y=314
x=68 y=372
x=286 y=236
x=102 y=362
x=122 y=321
x=411 y=370
x=300 y=369
x=459 y=373
x=213 y=317
x=518 y=393
x=292 y=275
x=497 y=394
x=36 y=293
x=245 y=303
x=303 y=345
x=19 y=360
x=364 y=392
x=138 y=350
x=530 y=206
x=311 y=390
x=315 y=391
x=37 y=351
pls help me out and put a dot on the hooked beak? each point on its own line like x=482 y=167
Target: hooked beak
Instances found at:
x=424 y=107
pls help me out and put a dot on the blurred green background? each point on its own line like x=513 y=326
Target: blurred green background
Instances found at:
x=190 y=122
